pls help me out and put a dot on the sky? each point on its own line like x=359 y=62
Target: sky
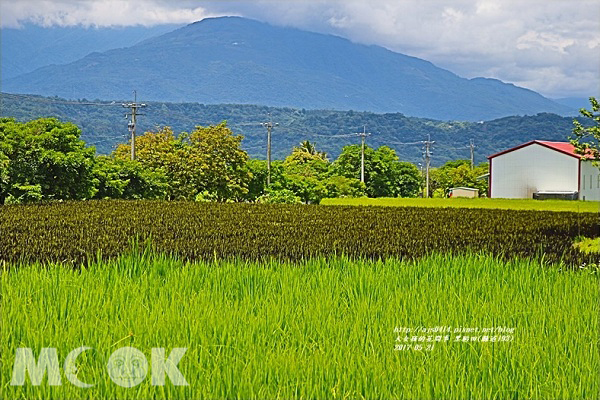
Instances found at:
x=550 y=46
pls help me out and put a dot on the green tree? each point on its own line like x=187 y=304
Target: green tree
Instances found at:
x=385 y=174
x=458 y=173
x=21 y=194
x=221 y=162
x=280 y=196
x=310 y=189
x=4 y=176
x=309 y=150
x=409 y=179
x=163 y=152
x=349 y=162
x=208 y=161
x=44 y=159
x=305 y=160
x=305 y=171
x=340 y=186
x=587 y=139
x=257 y=185
x=125 y=179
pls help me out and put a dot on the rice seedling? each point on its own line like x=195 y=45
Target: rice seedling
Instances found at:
x=505 y=204
x=320 y=328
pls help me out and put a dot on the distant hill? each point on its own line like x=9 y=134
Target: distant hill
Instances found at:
x=575 y=102
x=237 y=60
x=31 y=47
x=104 y=126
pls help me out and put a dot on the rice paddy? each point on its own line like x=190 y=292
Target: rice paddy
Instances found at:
x=301 y=301
x=504 y=204
x=323 y=328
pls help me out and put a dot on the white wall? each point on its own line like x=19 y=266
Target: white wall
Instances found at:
x=520 y=173
x=590 y=182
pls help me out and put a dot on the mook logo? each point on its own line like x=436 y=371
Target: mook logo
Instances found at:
x=126 y=367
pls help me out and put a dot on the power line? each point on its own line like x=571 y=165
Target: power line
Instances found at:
x=404 y=143
x=472 y=148
x=103 y=140
x=334 y=136
x=135 y=106
x=362 y=135
x=269 y=125
x=428 y=143
x=134 y=113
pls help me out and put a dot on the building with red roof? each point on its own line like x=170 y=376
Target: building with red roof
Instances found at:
x=543 y=169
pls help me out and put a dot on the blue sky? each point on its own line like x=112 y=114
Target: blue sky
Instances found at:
x=551 y=46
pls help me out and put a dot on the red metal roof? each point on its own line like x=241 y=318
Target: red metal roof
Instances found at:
x=563 y=147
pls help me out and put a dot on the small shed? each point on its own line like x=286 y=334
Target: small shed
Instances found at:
x=463 y=192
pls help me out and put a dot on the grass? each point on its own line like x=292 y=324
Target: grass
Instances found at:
x=588 y=245
x=315 y=329
x=507 y=204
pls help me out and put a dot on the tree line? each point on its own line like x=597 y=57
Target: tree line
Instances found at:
x=45 y=159
x=103 y=126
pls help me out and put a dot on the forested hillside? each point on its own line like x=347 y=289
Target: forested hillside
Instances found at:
x=104 y=125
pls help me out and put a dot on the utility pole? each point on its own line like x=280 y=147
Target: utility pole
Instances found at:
x=362 y=135
x=422 y=176
x=134 y=113
x=472 y=146
x=427 y=154
x=269 y=125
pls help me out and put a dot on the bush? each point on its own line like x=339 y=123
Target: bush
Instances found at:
x=22 y=194
x=283 y=196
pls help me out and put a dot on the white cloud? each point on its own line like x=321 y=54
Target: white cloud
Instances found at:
x=544 y=40
x=97 y=13
x=551 y=46
x=452 y=16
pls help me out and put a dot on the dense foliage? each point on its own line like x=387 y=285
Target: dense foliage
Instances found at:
x=385 y=175
x=459 y=174
x=209 y=160
x=81 y=230
x=587 y=138
x=104 y=127
x=45 y=160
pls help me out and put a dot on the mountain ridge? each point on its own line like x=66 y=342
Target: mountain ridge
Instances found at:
x=30 y=47
x=242 y=61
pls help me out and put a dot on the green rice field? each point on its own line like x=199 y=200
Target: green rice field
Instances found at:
x=293 y=301
x=324 y=328
x=506 y=204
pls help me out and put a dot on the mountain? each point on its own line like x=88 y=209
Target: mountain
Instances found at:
x=103 y=126
x=237 y=60
x=30 y=47
x=575 y=102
